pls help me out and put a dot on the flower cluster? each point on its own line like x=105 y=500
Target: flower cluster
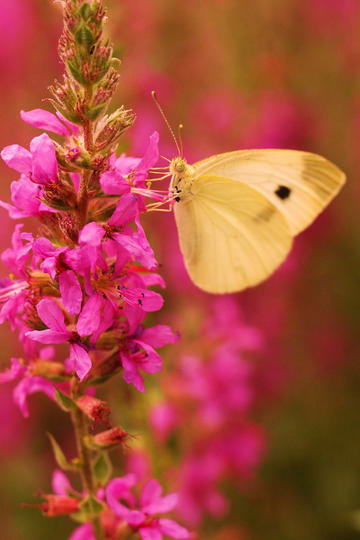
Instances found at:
x=84 y=279
x=208 y=404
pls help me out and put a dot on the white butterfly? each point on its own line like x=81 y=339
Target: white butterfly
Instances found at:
x=237 y=213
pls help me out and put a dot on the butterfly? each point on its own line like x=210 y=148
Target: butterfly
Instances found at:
x=237 y=213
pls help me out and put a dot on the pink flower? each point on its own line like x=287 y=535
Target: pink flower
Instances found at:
x=113 y=182
x=25 y=195
x=138 y=353
x=40 y=162
x=151 y=502
x=28 y=385
x=52 y=316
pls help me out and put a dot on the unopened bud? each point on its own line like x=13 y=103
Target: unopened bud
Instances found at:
x=107 y=439
x=94 y=408
x=56 y=505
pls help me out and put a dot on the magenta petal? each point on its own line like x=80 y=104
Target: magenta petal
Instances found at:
x=152 y=362
x=80 y=360
x=172 y=529
x=13 y=372
x=151 y=155
x=51 y=315
x=146 y=300
x=125 y=211
x=30 y=385
x=151 y=491
x=131 y=374
x=60 y=483
x=84 y=532
x=17 y=158
x=89 y=318
x=150 y=533
x=48 y=337
x=24 y=195
x=44 y=164
x=119 y=488
x=71 y=292
x=113 y=183
x=46 y=120
x=159 y=335
x=161 y=505
x=92 y=234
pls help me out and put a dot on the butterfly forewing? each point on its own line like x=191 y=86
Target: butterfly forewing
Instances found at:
x=299 y=184
x=230 y=235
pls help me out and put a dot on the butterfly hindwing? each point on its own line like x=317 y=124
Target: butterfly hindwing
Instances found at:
x=300 y=184
x=230 y=235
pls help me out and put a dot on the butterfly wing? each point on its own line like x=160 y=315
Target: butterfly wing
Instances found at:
x=230 y=235
x=299 y=184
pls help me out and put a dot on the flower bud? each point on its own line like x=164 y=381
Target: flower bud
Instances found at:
x=107 y=439
x=94 y=408
x=56 y=505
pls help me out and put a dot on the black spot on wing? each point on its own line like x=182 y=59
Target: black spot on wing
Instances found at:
x=283 y=192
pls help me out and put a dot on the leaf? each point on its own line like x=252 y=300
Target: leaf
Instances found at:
x=65 y=402
x=59 y=455
x=102 y=469
x=91 y=506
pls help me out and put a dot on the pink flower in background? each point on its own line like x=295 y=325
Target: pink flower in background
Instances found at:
x=151 y=502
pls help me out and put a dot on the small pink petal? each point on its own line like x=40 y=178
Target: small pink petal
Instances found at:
x=17 y=158
x=71 y=292
x=44 y=163
x=172 y=529
x=112 y=183
x=80 y=360
x=89 y=318
x=60 y=483
x=159 y=335
x=150 y=533
x=30 y=385
x=92 y=234
x=84 y=532
x=46 y=120
x=48 y=337
x=151 y=491
x=125 y=211
x=51 y=315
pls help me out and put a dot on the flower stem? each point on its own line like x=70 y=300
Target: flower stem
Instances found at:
x=80 y=428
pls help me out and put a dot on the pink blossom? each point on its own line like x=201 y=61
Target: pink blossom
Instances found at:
x=138 y=353
x=28 y=385
x=26 y=198
x=52 y=316
x=151 y=502
x=113 y=181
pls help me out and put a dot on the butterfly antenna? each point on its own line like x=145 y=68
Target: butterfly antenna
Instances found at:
x=153 y=95
x=180 y=127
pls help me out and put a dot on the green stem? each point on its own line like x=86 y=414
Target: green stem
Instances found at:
x=80 y=427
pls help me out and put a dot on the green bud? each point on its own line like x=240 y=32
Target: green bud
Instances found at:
x=84 y=37
x=85 y=11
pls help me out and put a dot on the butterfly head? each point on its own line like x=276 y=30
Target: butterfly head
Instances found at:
x=182 y=175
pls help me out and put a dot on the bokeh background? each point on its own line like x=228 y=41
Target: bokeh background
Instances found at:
x=256 y=416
